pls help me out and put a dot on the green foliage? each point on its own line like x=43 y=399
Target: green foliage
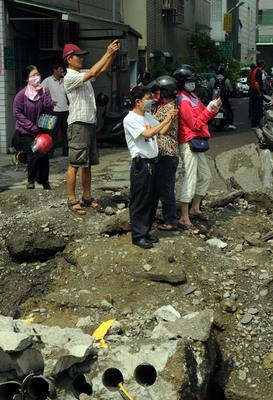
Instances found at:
x=205 y=52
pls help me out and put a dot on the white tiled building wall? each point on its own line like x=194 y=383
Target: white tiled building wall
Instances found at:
x=247 y=33
x=3 y=82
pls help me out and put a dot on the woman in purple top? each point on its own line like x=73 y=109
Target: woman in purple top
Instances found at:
x=28 y=105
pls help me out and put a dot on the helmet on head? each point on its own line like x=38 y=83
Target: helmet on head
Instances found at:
x=167 y=85
x=184 y=74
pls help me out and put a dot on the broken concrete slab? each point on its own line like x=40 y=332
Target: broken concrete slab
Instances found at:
x=119 y=223
x=247 y=168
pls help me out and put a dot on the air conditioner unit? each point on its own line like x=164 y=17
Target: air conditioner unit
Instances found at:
x=53 y=34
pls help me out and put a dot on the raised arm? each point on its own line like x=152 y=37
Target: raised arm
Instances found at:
x=104 y=63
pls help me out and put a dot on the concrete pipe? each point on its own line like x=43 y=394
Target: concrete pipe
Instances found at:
x=145 y=374
x=111 y=378
x=38 y=387
x=9 y=389
x=80 y=385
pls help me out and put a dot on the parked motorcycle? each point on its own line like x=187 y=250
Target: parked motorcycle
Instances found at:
x=110 y=129
x=265 y=131
x=220 y=120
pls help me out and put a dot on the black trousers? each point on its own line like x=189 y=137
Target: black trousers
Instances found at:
x=144 y=195
x=227 y=106
x=167 y=172
x=37 y=166
x=255 y=107
x=60 y=126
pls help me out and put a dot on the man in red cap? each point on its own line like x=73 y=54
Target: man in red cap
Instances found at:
x=82 y=121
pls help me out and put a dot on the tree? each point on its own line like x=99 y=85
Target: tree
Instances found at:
x=205 y=52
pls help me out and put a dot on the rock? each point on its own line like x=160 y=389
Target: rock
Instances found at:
x=119 y=223
x=268 y=361
x=83 y=322
x=190 y=290
x=121 y=206
x=196 y=326
x=37 y=244
x=216 y=243
x=253 y=311
x=13 y=341
x=147 y=267
x=167 y=313
x=172 y=279
x=229 y=306
x=110 y=211
x=247 y=318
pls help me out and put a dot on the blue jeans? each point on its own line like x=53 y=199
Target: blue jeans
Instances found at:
x=167 y=171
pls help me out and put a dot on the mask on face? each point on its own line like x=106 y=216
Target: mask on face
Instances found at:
x=35 y=80
x=190 y=86
x=148 y=105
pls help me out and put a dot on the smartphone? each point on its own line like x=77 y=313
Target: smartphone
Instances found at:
x=218 y=93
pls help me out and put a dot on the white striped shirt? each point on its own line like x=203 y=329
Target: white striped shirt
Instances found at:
x=81 y=96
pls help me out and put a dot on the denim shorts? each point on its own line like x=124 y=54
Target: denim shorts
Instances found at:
x=82 y=145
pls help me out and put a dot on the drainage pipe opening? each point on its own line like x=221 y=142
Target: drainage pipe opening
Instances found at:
x=9 y=389
x=38 y=387
x=145 y=374
x=80 y=385
x=111 y=378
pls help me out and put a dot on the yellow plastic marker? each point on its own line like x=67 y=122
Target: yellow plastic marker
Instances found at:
x=28 y=320
x=101 y=331
x=125 y=395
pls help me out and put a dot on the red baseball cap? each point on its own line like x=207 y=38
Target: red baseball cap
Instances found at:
x=71 y=49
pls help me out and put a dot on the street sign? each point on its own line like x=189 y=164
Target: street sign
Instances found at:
x=228 y=22
x=226 y=48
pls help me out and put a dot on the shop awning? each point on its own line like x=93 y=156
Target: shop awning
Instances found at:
x=72 y=16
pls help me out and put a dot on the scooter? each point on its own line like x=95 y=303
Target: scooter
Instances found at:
x=220 y=120
x=112 y=131
x=264 y=132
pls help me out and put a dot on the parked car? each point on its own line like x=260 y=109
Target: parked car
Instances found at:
x=242 y=87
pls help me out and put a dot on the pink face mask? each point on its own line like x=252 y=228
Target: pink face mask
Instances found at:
x=35 y=80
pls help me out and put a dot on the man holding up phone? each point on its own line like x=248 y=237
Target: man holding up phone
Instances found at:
x=82 y=121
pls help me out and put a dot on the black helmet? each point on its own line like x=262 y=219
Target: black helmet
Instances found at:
x=167 y=85
x=184 y=74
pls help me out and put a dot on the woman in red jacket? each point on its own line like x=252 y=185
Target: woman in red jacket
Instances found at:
x=193 y=120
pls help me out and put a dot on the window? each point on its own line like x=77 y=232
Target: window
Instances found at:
x=180 y=13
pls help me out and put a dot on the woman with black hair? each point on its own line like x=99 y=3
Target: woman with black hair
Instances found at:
x=168 y=153
x=28 y=105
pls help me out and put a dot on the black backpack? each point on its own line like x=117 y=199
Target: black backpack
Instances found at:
x=224 y=93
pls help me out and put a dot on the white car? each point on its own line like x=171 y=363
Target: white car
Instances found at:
x=241 y=84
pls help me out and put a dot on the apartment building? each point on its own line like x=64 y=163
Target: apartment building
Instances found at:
x=166 y=27
x=34 y=32
x=265 y=32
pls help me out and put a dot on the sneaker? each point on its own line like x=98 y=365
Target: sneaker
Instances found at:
x=46 y=186
x=232 y=127
x=143 y=243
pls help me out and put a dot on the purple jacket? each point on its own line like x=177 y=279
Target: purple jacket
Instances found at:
x=27 y=112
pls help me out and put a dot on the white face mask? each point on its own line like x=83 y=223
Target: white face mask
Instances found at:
x=190 y=86
x=35 y=80
x=148 y=105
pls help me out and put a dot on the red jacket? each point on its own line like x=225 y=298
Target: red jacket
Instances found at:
x=193 y=117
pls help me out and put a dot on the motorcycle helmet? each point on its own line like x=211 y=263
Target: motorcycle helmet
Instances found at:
x=167 y=86
x=42 y=144
x=183 y=75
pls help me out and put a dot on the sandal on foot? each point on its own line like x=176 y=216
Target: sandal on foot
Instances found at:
x=200 y=216
x=166 y=227
x=189 y=227
x=93 y=204
x=75 y=206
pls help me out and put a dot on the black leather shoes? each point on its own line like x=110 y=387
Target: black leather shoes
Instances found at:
x=144 y=243
x=152 y=239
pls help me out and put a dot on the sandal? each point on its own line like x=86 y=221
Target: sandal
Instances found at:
x=72 y=206
x=189 y=227
x=166 y=227
x=200 y=216
x=93 y=204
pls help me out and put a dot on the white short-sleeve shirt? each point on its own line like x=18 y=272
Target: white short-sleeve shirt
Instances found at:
x=56 y=88
x=134 y=125
x=81 y=96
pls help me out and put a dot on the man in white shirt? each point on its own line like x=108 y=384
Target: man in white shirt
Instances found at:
x=82 y=122
x=55 y=84
x=140 y=132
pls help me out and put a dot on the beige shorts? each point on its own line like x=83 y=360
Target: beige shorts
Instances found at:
x=82 y=145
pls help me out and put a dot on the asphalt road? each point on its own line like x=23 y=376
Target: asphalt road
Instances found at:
x=227 y=139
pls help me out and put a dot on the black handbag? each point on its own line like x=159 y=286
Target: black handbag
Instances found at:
x=199 y=144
